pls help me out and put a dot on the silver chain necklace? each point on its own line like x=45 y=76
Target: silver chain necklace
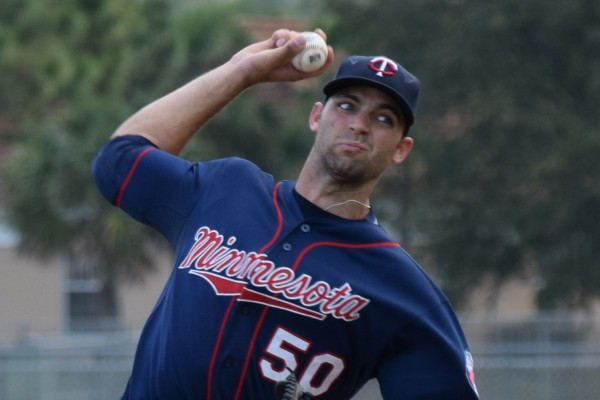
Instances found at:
x=346 y=202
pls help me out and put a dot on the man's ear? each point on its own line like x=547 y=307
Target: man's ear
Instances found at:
x=403 y=150
x=315 y=116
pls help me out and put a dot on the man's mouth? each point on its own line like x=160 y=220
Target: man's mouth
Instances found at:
x=352 y=146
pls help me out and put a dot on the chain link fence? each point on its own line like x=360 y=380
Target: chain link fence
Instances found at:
x=544 y=358
x=549 y=357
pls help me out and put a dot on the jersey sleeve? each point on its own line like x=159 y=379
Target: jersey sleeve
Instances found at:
x=433 y=363
x=153 y=186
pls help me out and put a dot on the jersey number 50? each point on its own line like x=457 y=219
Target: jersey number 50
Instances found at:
x=316 y=378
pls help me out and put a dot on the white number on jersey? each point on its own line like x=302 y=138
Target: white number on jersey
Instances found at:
x=283 y=349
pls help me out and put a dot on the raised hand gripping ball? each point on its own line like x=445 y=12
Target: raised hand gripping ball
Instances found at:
x=314 y=54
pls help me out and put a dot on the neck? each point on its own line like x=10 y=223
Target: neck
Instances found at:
x=348 y=200
x=343 y=203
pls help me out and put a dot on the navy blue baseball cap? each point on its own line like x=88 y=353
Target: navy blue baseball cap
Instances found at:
x=382 y=73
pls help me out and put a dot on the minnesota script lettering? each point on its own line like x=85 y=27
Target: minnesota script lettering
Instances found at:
x=230 y=270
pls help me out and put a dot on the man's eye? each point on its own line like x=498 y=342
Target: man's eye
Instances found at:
x=385 y=119
x=345 y=106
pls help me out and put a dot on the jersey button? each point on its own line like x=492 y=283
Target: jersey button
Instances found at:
x=305 y=228
x=228 y=362
x=287 y=247
x=245 y=309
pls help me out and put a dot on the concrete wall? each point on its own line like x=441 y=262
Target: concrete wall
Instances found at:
x=32 y=299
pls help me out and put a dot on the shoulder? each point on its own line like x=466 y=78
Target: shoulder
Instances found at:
x=233 y=172
x=401 y=283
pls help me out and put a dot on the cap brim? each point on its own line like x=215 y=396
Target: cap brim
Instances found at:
x=336 y=85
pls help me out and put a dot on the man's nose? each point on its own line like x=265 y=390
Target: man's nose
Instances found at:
x=360 y=123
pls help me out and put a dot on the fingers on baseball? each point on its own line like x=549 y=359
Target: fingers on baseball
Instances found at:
x=281 y=36
x=291 y=43
x=320 y=32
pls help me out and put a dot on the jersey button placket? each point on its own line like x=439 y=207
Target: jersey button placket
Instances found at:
x=245 y=309
x=228 y=362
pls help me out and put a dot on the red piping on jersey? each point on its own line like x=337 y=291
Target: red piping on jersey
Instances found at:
x=213 y=359
x=279 y=220
x=302 y=254
x=125 y=183
x=344 y=245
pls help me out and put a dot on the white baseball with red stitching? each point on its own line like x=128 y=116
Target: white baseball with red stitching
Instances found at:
x=314 y=54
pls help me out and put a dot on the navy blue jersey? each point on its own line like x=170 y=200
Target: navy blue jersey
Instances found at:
x=265 y=282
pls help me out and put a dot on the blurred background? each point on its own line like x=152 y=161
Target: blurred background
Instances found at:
x=499 y=201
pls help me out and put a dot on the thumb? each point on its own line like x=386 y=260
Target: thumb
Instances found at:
x=290 y=48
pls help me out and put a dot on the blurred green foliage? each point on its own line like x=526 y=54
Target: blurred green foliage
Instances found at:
x=505 y=179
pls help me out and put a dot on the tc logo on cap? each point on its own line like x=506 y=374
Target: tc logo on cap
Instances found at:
x=383 y=66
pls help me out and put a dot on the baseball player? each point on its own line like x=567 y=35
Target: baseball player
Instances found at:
x=284 y=289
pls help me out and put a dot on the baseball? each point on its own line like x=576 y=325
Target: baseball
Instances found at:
x=314 y=54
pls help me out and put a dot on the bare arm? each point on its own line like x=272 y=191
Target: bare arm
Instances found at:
x=172 y=120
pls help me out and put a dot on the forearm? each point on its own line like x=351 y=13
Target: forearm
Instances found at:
x=172 y=120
